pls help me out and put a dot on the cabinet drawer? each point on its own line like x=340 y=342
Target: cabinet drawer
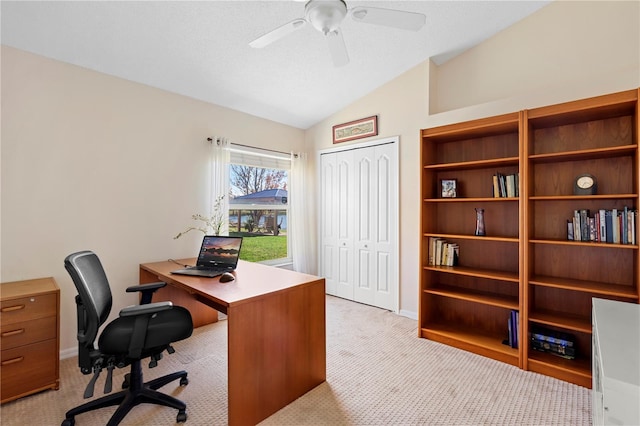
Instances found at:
x=29 y=367
x=18 y=334
x=28 y=308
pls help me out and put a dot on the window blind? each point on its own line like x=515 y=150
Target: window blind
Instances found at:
x=256 y=157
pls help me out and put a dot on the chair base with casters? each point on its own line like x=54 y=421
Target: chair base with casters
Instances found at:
x=140 y=332
x=137 y=392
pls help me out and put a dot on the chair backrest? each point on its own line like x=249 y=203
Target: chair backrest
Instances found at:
x=91 y=282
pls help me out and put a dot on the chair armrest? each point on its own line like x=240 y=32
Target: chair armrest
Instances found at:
x=147 y=291
x=144 y=287
x=150 y=308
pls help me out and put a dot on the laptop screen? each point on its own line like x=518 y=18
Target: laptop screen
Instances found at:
x=219 y=252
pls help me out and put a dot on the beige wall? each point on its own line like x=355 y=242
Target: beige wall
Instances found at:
x=567 y=50
x=573 y=48
x=95 y=162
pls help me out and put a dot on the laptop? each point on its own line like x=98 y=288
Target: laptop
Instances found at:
x=217 y=256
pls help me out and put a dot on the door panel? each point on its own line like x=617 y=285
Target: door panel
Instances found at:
x=328 y=231
x=359 y=224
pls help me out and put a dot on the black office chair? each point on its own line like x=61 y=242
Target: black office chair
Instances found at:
x=141 y=331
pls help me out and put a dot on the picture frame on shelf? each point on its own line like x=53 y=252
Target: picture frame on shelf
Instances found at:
x=449 y=188
x=356 y=129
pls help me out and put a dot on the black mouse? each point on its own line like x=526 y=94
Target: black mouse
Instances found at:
x=226 y=277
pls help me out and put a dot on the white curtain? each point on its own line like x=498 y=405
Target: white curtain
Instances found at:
x=219 y=202
x=300 y=223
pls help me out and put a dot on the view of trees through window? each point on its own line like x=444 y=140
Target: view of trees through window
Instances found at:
x=258 y=207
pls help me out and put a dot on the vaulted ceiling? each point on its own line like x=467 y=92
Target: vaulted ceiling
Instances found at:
x=201 y=49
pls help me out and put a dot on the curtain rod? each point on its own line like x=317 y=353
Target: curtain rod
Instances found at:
x=254 y=147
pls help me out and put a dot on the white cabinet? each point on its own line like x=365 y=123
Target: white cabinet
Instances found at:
x=359 y=229
x=616 y=363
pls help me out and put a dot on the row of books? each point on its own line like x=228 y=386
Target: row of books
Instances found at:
x=443 y=253
x=616 y=226
x=506 y=185
x=514 y=330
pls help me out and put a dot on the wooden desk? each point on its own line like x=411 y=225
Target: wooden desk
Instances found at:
x=276 y=331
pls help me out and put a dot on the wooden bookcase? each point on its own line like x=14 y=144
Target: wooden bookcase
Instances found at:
x=468 y=305
x=525 y=262
x=598 y=136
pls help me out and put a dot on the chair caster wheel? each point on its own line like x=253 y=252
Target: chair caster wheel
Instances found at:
x=68 y=422
x=184 y=381
x=182 y=417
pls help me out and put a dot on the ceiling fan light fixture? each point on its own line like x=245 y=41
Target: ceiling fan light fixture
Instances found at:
x=326 y=16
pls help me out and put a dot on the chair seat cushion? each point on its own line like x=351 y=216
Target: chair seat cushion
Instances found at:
x=164 y=328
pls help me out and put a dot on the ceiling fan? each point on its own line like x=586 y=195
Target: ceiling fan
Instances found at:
x=326 y=16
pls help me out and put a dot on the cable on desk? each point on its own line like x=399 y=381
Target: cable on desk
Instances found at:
x=178 y=263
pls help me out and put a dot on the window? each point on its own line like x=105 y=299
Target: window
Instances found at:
x=259 y=203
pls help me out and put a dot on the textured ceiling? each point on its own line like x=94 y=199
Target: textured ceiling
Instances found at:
x=200 y=49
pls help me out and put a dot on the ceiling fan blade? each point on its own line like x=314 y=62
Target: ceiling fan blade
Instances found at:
x=389 y=17
x=337 y=48
x=278 y=33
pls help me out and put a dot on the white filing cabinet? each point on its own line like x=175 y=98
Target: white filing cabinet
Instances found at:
x=616 y=363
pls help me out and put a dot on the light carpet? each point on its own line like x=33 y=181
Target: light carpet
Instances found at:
x=378 y=373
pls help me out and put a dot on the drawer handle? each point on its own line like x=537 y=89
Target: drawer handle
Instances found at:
x=12 y=308
x=13 y=332
x=12 y=361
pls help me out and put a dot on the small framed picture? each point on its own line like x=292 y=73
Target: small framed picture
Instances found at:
x=449 y=188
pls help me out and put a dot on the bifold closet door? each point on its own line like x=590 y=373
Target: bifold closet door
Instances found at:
x=375 y=213
x=337 y=207
x=358 y=216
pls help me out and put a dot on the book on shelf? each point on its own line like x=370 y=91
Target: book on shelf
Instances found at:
x=632 y=219
x=445 y=254
x=584 y=225
x=623 y=225
x=608 y=227
x=615 y=226
x=513 y=329
x=433 y=244
x=505 y=185
x=577 y=234
x=442 y=252
x=511 y=186
x=570 y=230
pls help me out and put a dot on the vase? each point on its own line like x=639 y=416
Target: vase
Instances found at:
x=480 y=222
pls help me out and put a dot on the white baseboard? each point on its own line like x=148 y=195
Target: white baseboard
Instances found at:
x=68 y=353
x=408 y=314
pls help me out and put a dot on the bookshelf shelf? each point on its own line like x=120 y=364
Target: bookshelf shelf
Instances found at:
x=586 y=154
x=487 y=344
x=478 y=164
x=471 y=200
x=586 y=244
x=474 y=237
x=562 y=320
x=486 y=298
x=526 y=262
x=583 y=197
x=476 y=272
x=576 y=371
x=594 y=287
